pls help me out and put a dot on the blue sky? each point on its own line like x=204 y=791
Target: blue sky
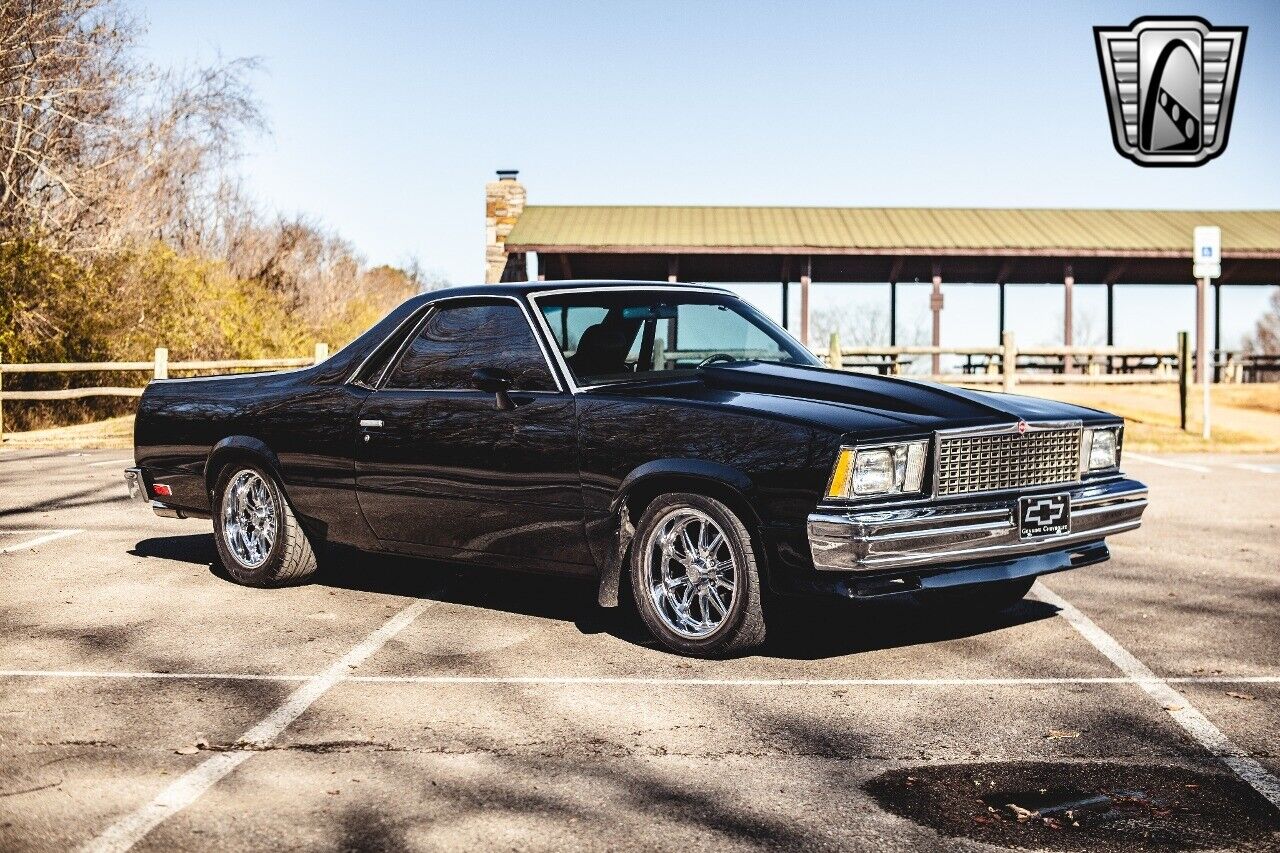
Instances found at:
x=387 y=119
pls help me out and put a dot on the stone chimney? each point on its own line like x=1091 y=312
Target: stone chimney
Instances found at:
x=503 y=204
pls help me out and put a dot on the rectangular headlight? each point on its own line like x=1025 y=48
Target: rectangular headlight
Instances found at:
x=886 y=469
x=1100 y=449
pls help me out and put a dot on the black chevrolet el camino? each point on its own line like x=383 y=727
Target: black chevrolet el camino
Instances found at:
x=666 y=435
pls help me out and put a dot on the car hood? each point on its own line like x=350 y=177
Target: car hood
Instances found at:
x=859 y=402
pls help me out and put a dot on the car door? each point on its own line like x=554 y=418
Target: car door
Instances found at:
x=443 y=470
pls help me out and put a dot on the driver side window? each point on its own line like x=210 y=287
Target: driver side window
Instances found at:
x=458 y=339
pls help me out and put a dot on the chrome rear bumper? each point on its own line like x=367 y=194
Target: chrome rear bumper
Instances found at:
x=138 y=491
x=866 y=540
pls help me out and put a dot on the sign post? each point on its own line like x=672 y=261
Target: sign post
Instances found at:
x=1206 y=266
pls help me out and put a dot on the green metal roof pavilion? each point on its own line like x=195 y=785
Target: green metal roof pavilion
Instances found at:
x=870 y=230
x=892 y=244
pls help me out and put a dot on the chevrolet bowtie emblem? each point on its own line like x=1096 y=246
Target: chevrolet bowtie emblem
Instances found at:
x=1170 y=85
x=1046 y=511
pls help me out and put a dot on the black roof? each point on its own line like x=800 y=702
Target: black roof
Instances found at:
x=524 y=288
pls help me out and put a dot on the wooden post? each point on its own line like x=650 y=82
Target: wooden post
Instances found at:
x=935 y=305
x=161 y=370
x=1184 y=377
x=895 y=273
x=1068 y=311
x=1000 y=285
x=1111 y=321
x=1111 y=314
x=893 y=313
x=834 y=357
x=673 y=269
x=1008 y=360
x=784 y=276
x=806 y=278
x=1201 y=344
x=1217 y=324
x=322 y=351
x=659 y=354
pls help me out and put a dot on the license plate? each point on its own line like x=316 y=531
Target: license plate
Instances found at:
x=1044 y=515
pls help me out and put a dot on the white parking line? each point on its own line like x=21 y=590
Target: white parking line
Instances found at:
x=1178 y=706
x=1168 y=463
x=184 y=791
x=607 y=681
x=1261 y=469
x=124 y=462
x=50 y=536
x=178 y=676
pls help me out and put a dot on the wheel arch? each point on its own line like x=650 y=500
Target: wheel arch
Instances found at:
x=732 y=487
x=729 y=485
x=242 y=447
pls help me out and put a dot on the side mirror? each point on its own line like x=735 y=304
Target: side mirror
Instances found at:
x=497 y=382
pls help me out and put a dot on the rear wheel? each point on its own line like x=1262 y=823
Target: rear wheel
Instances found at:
x=695 y=577
x=979 y=599
x=258 y=537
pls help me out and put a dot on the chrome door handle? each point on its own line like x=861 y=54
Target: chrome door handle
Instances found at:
x=370 y=423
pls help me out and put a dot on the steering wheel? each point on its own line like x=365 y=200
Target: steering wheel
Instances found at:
x=716 y=357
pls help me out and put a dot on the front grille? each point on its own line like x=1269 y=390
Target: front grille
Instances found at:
x=1007 y=460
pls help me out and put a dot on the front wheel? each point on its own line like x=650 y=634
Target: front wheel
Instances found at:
x=695 y=577
x=258 y=537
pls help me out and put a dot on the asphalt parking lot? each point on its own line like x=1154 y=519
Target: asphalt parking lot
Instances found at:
x=147 y=701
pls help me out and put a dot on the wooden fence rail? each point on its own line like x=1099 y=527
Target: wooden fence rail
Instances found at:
x=1069 y=365
x=158 y=367
x=1001 y=367
x=148 y=366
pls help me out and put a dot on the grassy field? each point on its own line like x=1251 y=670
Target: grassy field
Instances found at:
x=1245 y=419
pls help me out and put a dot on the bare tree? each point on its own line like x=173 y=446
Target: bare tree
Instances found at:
x=98 y=151
x=122 y=218
x=1086 y=331
x=1266 y=334
x=64 y=76
x=425 y=279
x=862 y=326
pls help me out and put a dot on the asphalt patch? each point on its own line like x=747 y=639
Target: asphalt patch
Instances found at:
x=1077 y=807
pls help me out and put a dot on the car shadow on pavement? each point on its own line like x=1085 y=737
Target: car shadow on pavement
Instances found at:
x=800 y=629
x=812 y=630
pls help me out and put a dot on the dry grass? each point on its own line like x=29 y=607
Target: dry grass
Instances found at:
x=111 y=434
x=1244 y=418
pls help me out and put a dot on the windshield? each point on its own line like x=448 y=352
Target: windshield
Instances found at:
x=618 y=335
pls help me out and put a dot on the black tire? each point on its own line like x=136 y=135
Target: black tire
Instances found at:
x=743 y=625
x=290 y=558
x=979 y=599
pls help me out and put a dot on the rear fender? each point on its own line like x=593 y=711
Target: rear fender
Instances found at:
x=243 y=447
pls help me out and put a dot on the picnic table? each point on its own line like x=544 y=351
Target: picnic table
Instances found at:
x=885 y=366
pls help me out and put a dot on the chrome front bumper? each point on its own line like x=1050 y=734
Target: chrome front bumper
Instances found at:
x=866 y=540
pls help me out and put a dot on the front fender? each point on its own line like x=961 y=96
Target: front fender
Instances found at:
x=713 y=473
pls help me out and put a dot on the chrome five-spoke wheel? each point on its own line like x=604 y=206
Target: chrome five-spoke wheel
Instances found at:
x=249 y=518
x=691 y=573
